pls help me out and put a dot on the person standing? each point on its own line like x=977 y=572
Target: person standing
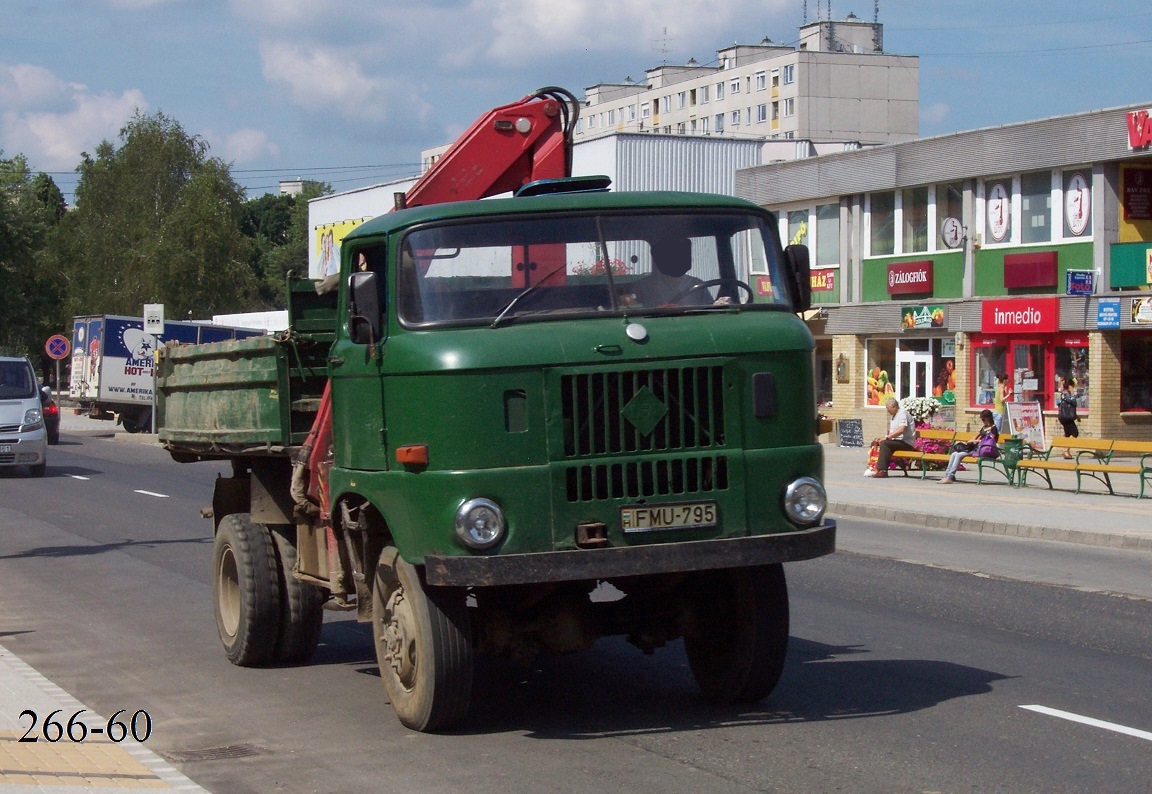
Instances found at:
x=1066 y=413
x=901 y=434
x=1002 y=395
x=983 y=446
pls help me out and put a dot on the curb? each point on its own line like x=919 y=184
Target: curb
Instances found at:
x=932 y=521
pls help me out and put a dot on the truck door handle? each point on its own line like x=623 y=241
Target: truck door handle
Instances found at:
x=335 y=361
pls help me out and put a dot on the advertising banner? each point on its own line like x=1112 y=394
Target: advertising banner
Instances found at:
x=1108 y=313
x=910 y=278
x=916 y=318
x=1142 y=311
x=1027 y=421
x=1078 y=282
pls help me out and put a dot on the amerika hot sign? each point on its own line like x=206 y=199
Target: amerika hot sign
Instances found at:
x=1039 y=315
x=910 y=278
x=1139 y=129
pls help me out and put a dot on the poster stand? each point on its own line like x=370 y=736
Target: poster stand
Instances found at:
x=1026 y=420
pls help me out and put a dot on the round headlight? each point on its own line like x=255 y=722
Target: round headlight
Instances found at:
x=480 y=524
x=805 y=501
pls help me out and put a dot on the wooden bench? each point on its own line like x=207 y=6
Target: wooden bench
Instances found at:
x=1137 y=460
x=1083 y=450
x=904 y=458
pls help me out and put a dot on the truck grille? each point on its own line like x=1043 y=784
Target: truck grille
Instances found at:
x=636 y=479
x=653 y=410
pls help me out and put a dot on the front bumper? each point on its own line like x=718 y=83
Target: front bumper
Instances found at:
x=657 y=558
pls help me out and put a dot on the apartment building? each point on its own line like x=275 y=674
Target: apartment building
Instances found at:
x=835 y=84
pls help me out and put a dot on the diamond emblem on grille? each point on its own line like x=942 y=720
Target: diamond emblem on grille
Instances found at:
x=644 y=411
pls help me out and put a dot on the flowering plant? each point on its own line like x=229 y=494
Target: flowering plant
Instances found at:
x=597 y=268
x=921 y=409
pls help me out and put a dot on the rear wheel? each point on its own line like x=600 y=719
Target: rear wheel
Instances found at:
x=246 y=590
x=423 y=644
x=301 y=605
x=738 y=635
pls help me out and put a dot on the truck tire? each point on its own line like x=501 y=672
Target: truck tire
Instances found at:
x=423 y=644
x=137 y=420
x=739 y=632
x=245 y=590
x=301 y=605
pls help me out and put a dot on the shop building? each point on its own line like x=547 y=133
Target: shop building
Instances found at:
x=940 y=263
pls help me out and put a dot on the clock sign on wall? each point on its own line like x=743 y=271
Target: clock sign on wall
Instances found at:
x=1077 y=202
x=999 y=212
x=952 y=232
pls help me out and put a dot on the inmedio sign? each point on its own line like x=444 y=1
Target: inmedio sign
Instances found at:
x=1020 y=315
x=910 y=278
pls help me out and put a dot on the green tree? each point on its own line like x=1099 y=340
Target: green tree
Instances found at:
x=278 y=227
x=156 y=221
x=29 y=207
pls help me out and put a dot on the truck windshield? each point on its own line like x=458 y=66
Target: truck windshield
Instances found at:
x=553 y=266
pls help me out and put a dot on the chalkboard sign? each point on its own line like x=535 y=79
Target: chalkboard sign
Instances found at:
x=850 y=432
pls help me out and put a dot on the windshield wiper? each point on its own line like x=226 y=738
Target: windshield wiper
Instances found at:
x=524 y=294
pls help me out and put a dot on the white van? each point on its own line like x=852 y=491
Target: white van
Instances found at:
x=23 y=439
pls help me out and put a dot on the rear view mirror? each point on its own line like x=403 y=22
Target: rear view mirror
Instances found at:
x=797 y=258
x=364 y=320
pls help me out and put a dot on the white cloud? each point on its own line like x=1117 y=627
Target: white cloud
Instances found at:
x=52 y=121
x=935 y=113
x=247 y=146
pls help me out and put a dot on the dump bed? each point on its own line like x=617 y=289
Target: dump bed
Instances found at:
x=255 y=396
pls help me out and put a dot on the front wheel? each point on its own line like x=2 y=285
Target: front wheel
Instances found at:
x=423 y=644
x=245 y=590
x=738 y=632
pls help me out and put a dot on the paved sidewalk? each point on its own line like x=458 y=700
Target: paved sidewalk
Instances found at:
x=1092 y=517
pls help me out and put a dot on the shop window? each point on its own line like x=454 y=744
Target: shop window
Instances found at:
x=1071 y=362
x=1036 y=207
x=882 y=220
x=827 y=234
x=824 y=373
x=1077 y=204
x=914 y=212
x=1029 y=383
x=881 y=368
x=949 y=204
x=1136 y=372
x=798 y=227
x=989 y=366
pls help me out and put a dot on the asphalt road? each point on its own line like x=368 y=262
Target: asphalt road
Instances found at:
x=915 y=657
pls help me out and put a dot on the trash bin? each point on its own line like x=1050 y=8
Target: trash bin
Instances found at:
x=1013 y=451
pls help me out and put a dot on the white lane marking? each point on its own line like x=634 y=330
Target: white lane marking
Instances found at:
x=153 y=493
x=1108 y=726
x=78 y=477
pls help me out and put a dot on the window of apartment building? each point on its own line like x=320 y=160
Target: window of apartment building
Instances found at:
x=761 y=81
x=798 y=227
x=592 y=121
x=775 y=78
x=734 y=86
x=775 y=111
x=761 y=113
x=631 y=112
x=645 y=110
x=789 y=107
x=789 y=73
x=681 y=100
x=611 y=117
x=1077 y=203
x=998 y=210
x=579 y=125
x=882 y=220
x=719 y=122
x=914 y=215
x=1036 y=207
x=719 y=91
x=734 y=118
x=949 y=204
x=704 y=125
x=702 y=94
x=827 y=234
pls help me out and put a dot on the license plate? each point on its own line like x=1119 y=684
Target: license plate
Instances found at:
x=652 y=518
x=5 y=449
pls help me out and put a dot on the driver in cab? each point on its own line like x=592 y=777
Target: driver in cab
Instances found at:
x=669 y=283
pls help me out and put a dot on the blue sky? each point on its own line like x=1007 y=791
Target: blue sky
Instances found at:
x=350 y=91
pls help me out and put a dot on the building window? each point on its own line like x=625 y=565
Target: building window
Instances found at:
x=734 y=86
x=735 y=118
x=1036 y=207
x=827 y=234
x=775 y=111
x=798 y=227
x=775 y=78
x=949 y=204
x=991 y=363
x=702 y=94
x=1072 y=362
x=761 y=81
x=592 y=121
x=789 y=73
x=1077 y=203
x=761 y=113
x=611 y=117
x=645 y=110
x=882 y=221
x=719 y=91
x=789 y=107
x=704 y=125
x=681 y=100
x=631 y=113
x=719 y=122
x=914 y=213
x=1136 y=371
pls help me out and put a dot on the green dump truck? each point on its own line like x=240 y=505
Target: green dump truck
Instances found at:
x=515 y=426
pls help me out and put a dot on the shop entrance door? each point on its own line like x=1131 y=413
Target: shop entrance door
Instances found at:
x=914 y=375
